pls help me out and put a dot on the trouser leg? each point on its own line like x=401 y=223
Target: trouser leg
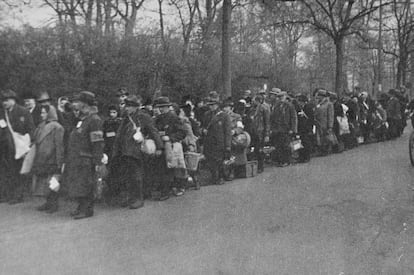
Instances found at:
x=282 y=148
x=135 y=182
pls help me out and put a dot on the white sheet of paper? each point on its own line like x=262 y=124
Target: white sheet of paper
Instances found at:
x=3 y=123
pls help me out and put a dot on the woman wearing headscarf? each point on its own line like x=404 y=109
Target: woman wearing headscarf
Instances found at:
x=48 y=139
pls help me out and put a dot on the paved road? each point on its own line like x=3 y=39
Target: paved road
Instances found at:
x=351 y=213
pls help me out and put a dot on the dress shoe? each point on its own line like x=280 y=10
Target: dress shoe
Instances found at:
x=164 y=197
x=43 y=207
x=83 y=215
x=136 y=205
x=52 y=209
x=75 y=212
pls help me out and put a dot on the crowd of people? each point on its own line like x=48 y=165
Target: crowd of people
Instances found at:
x=152 y=149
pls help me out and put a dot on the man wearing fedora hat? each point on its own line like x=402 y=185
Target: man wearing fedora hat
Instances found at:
x=85 y=153
x=217 y=141
x=130 y=159
x=17 y=119
x=283 y=125
x=171 y=129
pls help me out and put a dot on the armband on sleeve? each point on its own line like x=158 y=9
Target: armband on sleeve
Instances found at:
x=96 y=136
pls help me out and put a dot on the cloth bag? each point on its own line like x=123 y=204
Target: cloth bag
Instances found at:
x=295 y=145
x=331 y=139
x=174 y=155
x=28 y=161
x=147 y=145
x=343 y=125
x=21 y=142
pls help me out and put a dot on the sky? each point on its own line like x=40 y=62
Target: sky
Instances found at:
x=37 y=14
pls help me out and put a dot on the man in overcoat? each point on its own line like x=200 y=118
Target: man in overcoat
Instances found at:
x=217 y=143
x=128 y=153
x=283 y=125
x=394 y=114
x=85 y=152
x=171 y=129
x=21 y=122
x=260 y=128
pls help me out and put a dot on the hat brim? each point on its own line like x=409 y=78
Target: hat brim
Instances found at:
x=44 y=100
x=163 y=105
x=131 y=104
x=212 y=102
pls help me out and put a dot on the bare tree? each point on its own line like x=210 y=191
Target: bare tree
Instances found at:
x=338 y=19
x=186 y=11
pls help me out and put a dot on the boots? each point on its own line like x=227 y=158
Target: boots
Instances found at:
x=52 y=198
x=85 y=208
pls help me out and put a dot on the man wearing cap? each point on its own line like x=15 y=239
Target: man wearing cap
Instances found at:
x=85 y=153
x=128 y=153
x=283 y=126
x=217 y=142
x=171 y=129
x=17 y=119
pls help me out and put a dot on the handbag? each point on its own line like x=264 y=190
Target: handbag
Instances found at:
x=21 y=142
x=28 y=160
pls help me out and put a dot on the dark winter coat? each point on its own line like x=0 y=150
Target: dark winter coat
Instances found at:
x=283 y=118
x=218 y=138
x=125 y=145
x=85 y=151
x=21 y=120
x=171 y=125
x=110 y=128
x=394 y=109
x=260 y=117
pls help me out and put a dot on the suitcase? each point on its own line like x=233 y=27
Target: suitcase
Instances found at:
x=248 y=170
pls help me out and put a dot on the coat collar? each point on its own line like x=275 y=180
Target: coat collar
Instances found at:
x=43 y=130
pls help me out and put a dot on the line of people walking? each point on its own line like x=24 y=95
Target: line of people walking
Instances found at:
x=153 y=149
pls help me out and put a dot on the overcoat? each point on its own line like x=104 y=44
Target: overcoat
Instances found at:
x=125 y=145
x=283 y=118
x=324 y=119
x=394 y=109
x=85 y=151
x=218 y=138
x=49 y=146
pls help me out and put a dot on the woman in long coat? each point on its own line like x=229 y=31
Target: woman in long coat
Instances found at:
x=49 y=157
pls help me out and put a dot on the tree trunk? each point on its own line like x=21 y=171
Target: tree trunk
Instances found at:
x=108 y=18
x=402 y=68
x=130 y=22
x=339 y=47
x=226 y=49
x=99 y=16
